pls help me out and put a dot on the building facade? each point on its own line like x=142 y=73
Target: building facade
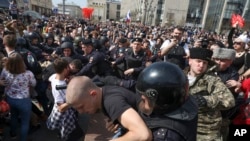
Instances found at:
x=71 y=9
x=174 y=12
x=43 y=7
x=100 y=8
x=113 y=10
x=156 y=12
x=135 y=8
x=195 y=13
x=218 y=17
x=40 y=6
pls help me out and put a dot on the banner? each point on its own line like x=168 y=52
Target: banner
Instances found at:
x=87 y=12
x=128 y=19
x=237 y=18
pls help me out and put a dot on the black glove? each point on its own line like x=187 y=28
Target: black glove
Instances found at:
x=201 y=101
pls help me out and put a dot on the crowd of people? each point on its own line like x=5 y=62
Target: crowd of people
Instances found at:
x=152 y=82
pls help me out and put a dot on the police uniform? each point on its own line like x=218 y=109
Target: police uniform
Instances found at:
x=77 y=47
x=73 y=54
x=133 y=60
x=118 y=51
x=179 y=125
x=209 y=88
x=96 y=65
x=174 y=114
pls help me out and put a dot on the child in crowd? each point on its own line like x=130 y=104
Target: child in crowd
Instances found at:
x=62 y=116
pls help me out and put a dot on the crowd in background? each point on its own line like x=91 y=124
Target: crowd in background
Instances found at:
x=111 y=53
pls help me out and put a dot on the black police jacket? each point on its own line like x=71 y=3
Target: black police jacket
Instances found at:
x=97 y=65
x=131 y=60
x=182 y=123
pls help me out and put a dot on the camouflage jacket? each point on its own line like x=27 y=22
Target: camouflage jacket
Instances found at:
x=218 y=98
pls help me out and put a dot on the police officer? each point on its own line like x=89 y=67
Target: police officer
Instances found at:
x=77 y=45
x=68 y=51
x=166 y=106
x=34 y=46
x=97 y=64
x=58 y=50
x=134 y=60
x=104 y=40
x=49 y=42
x=65 y=39
x=30 y=59
x=118 y=50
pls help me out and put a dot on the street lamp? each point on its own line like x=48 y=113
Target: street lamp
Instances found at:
x=152 y=15
x=63 y=7
x=145 y=4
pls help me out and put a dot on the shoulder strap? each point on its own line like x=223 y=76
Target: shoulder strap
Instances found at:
x=62 y=94
x=247 y=61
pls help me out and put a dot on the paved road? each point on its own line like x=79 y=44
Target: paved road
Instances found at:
x=96 y=130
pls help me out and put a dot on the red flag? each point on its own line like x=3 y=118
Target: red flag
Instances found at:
x=87 y=12
x=237 y=18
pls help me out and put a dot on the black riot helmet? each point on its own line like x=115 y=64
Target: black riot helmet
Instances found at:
x=77 y=40
x=103 y=39
x=49 y=35
x=96 y=44
x=164 y=84
x=67 y=45
x=65 y=39
x=32 y=36
x=21 y=42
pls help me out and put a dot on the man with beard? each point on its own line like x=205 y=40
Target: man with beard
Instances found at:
x=175 y=49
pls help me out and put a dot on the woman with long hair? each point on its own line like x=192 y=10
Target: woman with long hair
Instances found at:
x=17 y=81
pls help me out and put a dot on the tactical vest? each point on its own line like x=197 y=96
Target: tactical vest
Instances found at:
x=187 y=129
x=133 y=61
x=177 y=53
x=30 y=61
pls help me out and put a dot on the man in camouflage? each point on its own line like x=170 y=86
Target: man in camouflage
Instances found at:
x=211 y=94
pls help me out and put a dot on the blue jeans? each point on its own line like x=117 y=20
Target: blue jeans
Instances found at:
x=20 y=108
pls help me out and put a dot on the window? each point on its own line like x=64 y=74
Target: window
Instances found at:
x=159 y=11
x=117 y=14
x=160 y=2
x=170 y=16
x=118 y=7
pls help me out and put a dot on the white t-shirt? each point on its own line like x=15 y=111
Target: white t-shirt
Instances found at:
x=191 y=80
x=59 y=95
x=166 y=42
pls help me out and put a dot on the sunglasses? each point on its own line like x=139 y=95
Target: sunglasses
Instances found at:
x=237 y=43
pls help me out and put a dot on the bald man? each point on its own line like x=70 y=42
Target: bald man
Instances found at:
x=117 y=103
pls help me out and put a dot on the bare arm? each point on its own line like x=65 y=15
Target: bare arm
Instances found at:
x=166 y=48
x=137 y=129
x=63 y=107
